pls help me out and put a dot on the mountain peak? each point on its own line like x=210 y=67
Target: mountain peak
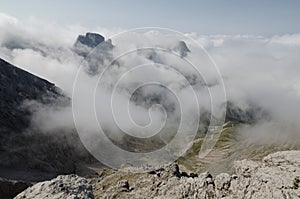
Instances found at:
x=89 y=39
x=182 y=48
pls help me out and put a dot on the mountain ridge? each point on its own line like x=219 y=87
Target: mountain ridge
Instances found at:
x=16 y=86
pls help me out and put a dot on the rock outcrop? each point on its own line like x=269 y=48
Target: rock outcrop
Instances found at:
x=277 y=176
x=89 y=39
x=94 y=49
x=249 y=115
x=62 y=187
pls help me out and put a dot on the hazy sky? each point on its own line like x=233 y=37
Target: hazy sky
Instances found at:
x=258 y=17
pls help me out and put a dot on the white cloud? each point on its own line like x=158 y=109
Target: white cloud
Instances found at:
x=256 y=70
x=289 y=39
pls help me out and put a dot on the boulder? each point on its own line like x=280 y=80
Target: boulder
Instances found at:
x=61 y=187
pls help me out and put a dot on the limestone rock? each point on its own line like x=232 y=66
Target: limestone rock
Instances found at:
x=277 y=176
x=62 y=187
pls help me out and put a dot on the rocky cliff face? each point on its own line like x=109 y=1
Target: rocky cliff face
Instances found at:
x=276 y=176
x=16 y=86
x=89 y=39
x=94 y=49
x=25 y=150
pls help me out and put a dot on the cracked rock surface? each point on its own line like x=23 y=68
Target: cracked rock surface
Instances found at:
x=64 y=186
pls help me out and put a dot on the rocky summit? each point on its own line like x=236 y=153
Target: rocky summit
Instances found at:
x=276 y=176
x=89 y=39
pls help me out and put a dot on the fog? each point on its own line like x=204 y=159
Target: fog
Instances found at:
x=256 y=70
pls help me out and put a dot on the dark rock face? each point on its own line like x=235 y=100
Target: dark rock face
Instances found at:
x=94 y=49
x=245 y=115
x=89 y=39
x=25 y=148
x=17 y=85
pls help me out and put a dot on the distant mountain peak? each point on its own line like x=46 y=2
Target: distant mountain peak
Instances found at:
x=85 y=43
x=89 y=39
x=182 y=48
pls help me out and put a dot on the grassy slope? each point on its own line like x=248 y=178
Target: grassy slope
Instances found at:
x=231 y=146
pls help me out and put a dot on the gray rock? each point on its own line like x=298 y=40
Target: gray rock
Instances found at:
x=277 y=176
x=62 y=187
x=95 y=50
x=89 y=39
x=222 y=182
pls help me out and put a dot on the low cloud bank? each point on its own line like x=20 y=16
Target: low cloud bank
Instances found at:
x=256 y=70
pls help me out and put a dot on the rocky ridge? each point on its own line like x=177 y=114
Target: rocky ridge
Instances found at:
x=17 y=85
x=276 y=176
x=45 y=153
x=89 y=39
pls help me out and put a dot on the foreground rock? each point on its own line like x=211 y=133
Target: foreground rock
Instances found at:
x=62 y=187
x=276 y=176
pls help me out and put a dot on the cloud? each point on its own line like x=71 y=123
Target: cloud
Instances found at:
x=289 y=39
x=256 y=70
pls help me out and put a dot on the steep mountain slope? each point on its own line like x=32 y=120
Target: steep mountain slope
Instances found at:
x=26 y=153
x=232 y=145
x=16 y=86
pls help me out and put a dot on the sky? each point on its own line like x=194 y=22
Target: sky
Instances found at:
x=233 y=17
